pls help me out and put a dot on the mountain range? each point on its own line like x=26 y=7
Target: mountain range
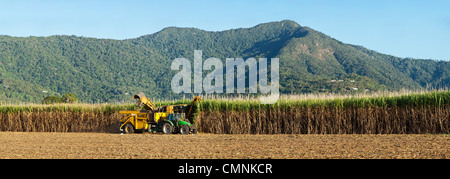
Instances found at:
x=107 y=70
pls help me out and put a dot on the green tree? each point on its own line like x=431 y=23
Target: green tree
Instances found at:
x=51 y=100
x=69 y=98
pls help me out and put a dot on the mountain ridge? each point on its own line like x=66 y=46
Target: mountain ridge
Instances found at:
x=104 y=70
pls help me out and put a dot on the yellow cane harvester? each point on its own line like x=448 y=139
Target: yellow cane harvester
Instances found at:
x=166 y=119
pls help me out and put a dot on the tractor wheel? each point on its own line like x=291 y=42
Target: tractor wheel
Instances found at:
x=184 y=129
x=167 y=128
x=128 y=128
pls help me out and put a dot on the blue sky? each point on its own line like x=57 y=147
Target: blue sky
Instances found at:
x=404 y=28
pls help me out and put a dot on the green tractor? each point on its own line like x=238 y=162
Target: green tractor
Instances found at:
x=174 y=123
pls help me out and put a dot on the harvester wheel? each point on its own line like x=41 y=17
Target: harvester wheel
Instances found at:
x=184 y=129
x=128 y=128
x=167 y=128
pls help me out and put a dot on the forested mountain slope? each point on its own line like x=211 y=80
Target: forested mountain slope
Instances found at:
x=104 y=70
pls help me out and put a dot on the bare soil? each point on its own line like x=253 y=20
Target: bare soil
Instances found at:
x=104 y=145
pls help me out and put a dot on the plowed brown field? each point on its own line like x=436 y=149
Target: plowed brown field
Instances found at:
x=102 y=145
